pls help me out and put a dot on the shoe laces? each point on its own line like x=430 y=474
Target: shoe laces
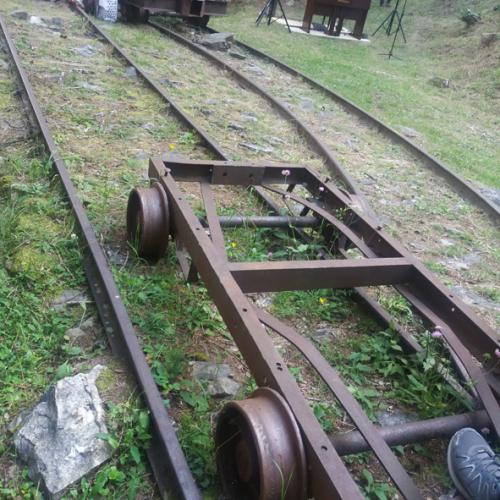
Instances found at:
x=485 y=467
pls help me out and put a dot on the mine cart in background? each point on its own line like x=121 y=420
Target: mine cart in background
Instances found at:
x=336 y=11
x=195 y=11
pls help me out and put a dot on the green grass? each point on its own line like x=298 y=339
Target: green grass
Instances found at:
x=457 y=124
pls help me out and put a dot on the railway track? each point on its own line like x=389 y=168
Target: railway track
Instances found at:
x=181 y=479
x=166 y=454
x=399 y=182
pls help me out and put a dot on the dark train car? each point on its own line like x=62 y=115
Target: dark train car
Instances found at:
x=196 y=11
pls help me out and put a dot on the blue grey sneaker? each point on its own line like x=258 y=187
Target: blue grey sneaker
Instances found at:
x=473 y=466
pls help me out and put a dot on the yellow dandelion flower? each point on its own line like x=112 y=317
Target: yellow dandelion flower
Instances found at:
x=322 y=300
x=234 y=244
x=171 y=146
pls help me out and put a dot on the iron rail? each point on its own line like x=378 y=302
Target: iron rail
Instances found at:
x=166 y=457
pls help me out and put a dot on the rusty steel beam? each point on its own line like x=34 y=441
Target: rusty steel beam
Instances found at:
x=227 y=282
x=315 y=274
x=435 y=304
x=166 y=456
x=412 y=432
x=329 y=476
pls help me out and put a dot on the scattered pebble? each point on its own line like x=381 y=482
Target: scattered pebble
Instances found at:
x=249 y=117
x=85 y=51
x=217 y=377
x=306 y=104
x=410 y=133
x=216 y=41
x=253 y=68
x=237 y=55
x=257 y=148
x=20 y=14
x=443 y=83
x=130 y=72
x=70 y=297
x=390 y=417
x=37 y=21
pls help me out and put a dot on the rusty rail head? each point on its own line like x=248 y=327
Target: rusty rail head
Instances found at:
x=166 y=457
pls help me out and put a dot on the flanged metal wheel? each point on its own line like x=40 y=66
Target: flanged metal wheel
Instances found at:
x=260 y=454
x=148 y=221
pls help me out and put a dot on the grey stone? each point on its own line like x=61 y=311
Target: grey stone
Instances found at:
x=216 y=41
x=56 y=77
x=473 y=299
x=70 y=298
x=446 y=242
x=141 y=155
x=218 y=378
x=55 y=21
x=235 y=126
x=263 y=301
x=58 y=439
x=442 y=83
x=75 y=334
x=387 y=418
x=253 y=68
x=491 y=194
x=115 y=254
x=37 y=21
x=236 y=54
x=488 y=39
x=465 y=262
x=90 y=86
x=271 y=139
x=148 y=127
x=130 y=72
x=20 y=14
x=351 y=144
x=306 y=104
x=326 y=115
x=323 y=333
x=85 y=51
x=410 y=133
x=4 y=64
x=256 y=147
x=249 y=117
x=170 y=83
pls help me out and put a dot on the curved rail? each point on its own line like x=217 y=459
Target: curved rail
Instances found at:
x=166 y=457
x=463 y=186
x=332 y=163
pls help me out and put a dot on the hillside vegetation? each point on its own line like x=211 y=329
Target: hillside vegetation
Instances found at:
x=458 y=123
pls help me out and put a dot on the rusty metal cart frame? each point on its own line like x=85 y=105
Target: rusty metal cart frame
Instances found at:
x=318 y=470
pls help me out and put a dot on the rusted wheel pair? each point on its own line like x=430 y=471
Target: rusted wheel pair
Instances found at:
x=148 y=221
x=260 y=455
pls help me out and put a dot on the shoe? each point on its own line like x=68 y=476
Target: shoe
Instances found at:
x=473 y=466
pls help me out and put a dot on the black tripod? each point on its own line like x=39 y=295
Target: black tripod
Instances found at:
x=388 y=22
x=269 y=10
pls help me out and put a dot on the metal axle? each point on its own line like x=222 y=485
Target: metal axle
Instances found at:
x=412 y=432
x=281 y=221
